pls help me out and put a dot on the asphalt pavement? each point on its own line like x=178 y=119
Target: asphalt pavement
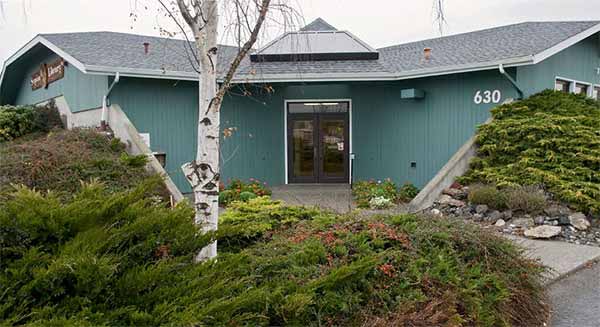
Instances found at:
x=576 y=299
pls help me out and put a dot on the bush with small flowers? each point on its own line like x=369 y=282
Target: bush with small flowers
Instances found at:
x=238 y=190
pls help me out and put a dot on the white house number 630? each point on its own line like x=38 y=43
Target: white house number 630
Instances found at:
x=487 y=96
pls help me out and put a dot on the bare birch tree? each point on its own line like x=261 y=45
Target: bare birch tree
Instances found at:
x=246 y=19
x=202 y=18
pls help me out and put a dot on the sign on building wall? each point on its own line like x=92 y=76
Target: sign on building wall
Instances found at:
x=47 y=74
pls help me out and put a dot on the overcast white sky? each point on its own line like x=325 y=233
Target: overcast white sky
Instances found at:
x=377 y=22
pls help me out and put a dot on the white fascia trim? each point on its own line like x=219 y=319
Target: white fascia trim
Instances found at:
x=318 y=77
x=142 y=73
x=38 y=39
x=336 y=77
x=565 y=44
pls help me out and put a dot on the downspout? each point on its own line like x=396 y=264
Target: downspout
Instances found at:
x=103 y=120
x=511 y=80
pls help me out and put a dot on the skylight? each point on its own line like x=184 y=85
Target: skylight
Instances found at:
x=316 y=45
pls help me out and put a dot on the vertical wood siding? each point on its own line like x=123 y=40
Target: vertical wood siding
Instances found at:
x=81 y=91
x=168 y=111
x=579 y=62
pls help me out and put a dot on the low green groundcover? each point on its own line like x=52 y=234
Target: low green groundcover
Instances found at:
x=550 y=139
x=105 y=258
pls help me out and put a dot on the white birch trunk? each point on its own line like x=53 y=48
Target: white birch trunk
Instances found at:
x=203 y=173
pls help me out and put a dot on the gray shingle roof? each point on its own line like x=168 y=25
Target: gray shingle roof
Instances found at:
x=318 y=25
x=121 y=50
x=487 y=45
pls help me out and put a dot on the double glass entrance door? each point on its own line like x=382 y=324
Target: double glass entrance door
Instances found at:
x=318 y=142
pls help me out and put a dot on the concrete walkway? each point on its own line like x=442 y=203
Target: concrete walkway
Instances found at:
x=335 y=197
x=561 y=257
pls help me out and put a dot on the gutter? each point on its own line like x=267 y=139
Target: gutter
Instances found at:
x=103 y=123
x=511 y=80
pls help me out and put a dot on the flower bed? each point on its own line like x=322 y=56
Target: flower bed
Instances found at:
x=381 y=194
x=238 y=190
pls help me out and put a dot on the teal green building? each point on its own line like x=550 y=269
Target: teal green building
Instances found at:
x=314 y=106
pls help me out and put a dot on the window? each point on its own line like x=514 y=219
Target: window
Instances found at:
x=596 y=93
x=562 y=86
x=581 y=88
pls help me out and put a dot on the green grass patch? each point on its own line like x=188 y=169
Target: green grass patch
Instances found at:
x=550 y=139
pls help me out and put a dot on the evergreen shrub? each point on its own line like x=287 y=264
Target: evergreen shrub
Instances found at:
x=116 y=259
x=550 y=139
x=21 y=120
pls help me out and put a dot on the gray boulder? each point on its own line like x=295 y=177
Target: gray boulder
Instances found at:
x=495 y=215
x=523 y=222
x=481 y=209
x=579 y=221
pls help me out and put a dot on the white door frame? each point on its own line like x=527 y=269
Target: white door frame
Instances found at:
x=285 y=136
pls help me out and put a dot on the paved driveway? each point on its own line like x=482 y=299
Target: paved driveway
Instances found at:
x=576 y=299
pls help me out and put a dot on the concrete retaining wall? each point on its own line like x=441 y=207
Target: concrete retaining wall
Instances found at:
x=455 y=167
x=124 y=129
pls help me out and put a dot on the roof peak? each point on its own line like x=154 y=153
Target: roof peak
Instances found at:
x=318 y=24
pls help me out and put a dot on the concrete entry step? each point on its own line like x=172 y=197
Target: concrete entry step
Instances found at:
x=335 y=197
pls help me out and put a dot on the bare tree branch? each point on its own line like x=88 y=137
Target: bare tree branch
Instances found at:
x=183 y=9
x=188 y=43
x=264 y=8
x=439 y=15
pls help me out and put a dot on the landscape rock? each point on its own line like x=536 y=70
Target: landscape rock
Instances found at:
x=436 y=212
x=579 y=221
x=544 y=231
x=508 y=214
x=448 y=200
x=500 y=223
x=481 y=209
x=523 y=222
x=539 y=220
x=556 y=210
x=564 y=221
x=495 y=215
x=478 y=217
x=455 y=193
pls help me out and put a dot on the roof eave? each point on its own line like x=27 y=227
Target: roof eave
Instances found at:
x=385 y=76
x=142 y=73
x=39 y=39
x=565 y=44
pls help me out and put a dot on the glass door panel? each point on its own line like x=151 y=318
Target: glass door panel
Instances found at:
x=333 y=145
x=302 y=137
x=318 y=136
